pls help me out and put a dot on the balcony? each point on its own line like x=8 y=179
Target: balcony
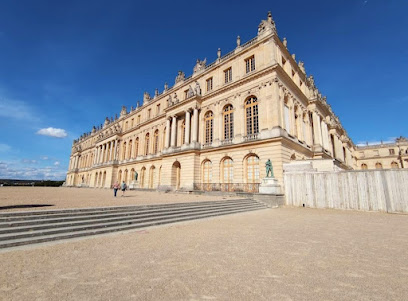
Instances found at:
x=251 y=137
x=226 y=141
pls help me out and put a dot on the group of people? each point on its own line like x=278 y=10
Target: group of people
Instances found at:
x=122 y=187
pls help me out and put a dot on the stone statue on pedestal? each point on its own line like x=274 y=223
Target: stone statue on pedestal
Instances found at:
x=269 y=169
x=136 y=175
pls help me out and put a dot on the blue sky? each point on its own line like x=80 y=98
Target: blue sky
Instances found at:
x=66 y=65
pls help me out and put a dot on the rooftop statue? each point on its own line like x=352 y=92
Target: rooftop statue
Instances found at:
x=146 y=97
x=200 y=65
x=180 y=77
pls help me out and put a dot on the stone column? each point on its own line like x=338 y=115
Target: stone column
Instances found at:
x=168 y=131
x=173 y=131
x=111 y=150
x=187 y=128
x=317 y=129
x=194 y=134
x=115 y=145
x=100 y=153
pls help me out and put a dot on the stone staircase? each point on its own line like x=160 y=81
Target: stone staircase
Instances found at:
x=32 y=227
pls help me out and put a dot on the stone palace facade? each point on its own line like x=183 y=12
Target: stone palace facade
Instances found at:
x=216 y=129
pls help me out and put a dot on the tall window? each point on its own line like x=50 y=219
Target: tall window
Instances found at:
x=164 y=138
x=147 y=140
x=132 y=122
x=209 y=120
x=136 y=147
x=251 y=110
x=250 y=64
x=149 y=113
x=207 y=171
x=228 y=116
x=227 y=170
x=124 y=151
x=252 y=174
x=183 y=132
x=209 y=84
x=228 y=75
x=138 y=119
x=158 y=109
x=156 y=142
x=392 y=151
x=130 y=149
x=364 y=166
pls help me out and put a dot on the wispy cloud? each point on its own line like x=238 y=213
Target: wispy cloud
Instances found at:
x=56 y=163
x=15 y=170
x=4 y=148
x=29 y=161
x=376 y=142
x=53 y=132
x=16 y=109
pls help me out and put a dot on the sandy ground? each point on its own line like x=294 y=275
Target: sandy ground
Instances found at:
x=63 y=197
x=273 y=254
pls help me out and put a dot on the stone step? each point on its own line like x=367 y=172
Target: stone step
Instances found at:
x=60 y=223
x=62 y=236
x=14 y=216
x=27 y=220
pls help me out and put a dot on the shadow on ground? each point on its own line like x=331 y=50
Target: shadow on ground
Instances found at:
x=24 y=206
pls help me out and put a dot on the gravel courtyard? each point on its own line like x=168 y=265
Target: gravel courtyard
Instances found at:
x=273 y=254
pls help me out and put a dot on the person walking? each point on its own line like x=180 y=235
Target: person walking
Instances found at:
x=115 y=188
x=123 y=188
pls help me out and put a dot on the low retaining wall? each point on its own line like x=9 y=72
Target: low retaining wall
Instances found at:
x=374 y=190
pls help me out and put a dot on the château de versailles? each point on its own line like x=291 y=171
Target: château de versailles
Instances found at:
x=216 y=129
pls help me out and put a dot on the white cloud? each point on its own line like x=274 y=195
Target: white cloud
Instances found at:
x=53 y=132
x=4 y=148
x=56 y=163
x=44 y=158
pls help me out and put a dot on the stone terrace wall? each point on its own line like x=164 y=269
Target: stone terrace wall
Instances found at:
x=374 y=190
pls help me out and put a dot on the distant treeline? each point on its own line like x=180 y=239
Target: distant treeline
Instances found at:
x=48 y=183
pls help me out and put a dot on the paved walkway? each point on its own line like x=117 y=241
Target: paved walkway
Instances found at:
x=277 y=254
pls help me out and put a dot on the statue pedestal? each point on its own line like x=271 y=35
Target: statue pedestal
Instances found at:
x=269 y=186
x=134 y=185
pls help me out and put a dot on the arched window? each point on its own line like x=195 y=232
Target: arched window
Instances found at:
x=142 y=176
x=120 y=176
x=156 y=142
x=228 y=117
x=124 y=151
x=209 y=120
x=364 y=166
x=152 y=176
x=394 y=165
x=136 y=147
x=378 y=165
x=130 y=149
x=147 y=140
x=227 y=169
x=207 y=171
x=252 y=169
x=251 y=111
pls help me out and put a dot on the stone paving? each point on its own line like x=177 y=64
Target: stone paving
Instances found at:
x=275 y=254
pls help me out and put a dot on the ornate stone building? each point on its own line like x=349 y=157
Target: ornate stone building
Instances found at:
x=384 y=155
x=215 y=129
